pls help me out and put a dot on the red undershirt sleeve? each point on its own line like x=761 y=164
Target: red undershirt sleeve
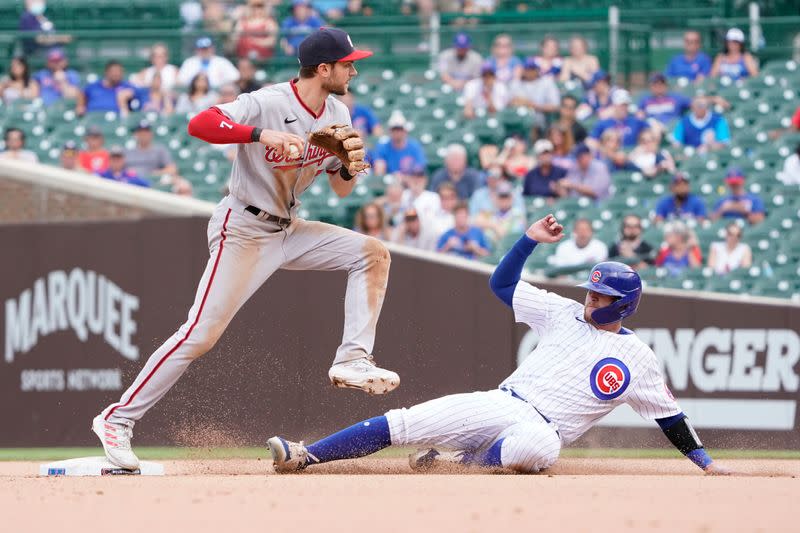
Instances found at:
x=214 y=127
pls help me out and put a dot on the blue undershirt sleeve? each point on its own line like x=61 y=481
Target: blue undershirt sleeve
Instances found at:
x=507 y=274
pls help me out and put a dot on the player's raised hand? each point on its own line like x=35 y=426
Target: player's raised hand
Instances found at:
x=546 y=230
x=282 y=142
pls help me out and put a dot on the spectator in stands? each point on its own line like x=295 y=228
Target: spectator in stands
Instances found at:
x=649 y=157
x=299 y=25
x=456 y=171
x=331 y=9
x=483 y=199
x=247 y=76
x=505 y=218
x=790 y=175
x=739 y=203
x=57 y=81
x=399 y=151
x=228 y=93
x=485 y=94
x=18 y=83
x=371 y=220
x=152 y=98
x=629 y=126
x=536 y=92
x=14 y=140
x=731 y=254
x=34 y=20
x=680 y=251
x=159 y=65
x=255 y=31
x=567 y=112
x=514 y=159
x=597 y=100
x=735 y=62
x=95 y=157
x=68 y=158
x=681 y=204
x=693 y=63
x=363 y=118
x=507 y=66
x=588 y=177
x=217 y=69
x=549 y=59
x=417 y=196
x=463 y=239
x=581 y=249
x=542 y=179
x=443 y=220
x=148 y=158
x=392 y=202
x=118 y=169
x=580 y=65
x=411 y=232
x=459 y=64
x=102 y=94
x=660 y=104
x=702 y=128
x=631 y=248
x=611 y=153
x=199 y=97
x=563 y=144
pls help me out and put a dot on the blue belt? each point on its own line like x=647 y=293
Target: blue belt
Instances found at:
x=518 y=397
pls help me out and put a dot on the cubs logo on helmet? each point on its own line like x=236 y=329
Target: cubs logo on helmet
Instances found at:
x=609 y=378
x=596 y=275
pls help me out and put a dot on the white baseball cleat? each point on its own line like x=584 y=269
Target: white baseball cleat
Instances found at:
x=288 y=456
x=365 y=375
x=116 y=440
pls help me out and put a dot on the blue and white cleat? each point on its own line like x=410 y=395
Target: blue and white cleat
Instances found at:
x=288 y=456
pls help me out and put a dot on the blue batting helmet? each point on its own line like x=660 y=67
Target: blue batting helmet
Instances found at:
x=617 y=280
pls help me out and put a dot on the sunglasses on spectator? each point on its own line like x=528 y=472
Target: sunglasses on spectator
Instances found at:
x=634 y=225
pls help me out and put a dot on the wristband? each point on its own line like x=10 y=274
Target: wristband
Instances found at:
x=255 y=135
x=345 y=175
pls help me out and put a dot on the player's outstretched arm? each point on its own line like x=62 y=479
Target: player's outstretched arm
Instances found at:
x=682 y=435
x=508 y=272
x=213 y=126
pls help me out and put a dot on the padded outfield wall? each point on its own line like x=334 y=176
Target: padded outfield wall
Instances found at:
x=82 y=305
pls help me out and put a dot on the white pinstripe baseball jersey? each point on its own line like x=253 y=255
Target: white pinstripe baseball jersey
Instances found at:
x=577 y=374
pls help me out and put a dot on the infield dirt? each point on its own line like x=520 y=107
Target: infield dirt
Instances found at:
x=383 y=495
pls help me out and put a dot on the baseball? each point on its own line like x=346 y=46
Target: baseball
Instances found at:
x=294 y=153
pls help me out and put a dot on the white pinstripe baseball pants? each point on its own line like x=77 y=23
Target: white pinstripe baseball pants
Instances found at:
x=473 y=422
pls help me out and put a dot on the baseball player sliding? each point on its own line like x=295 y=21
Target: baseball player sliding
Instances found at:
x=585 y=365
x=255 y=229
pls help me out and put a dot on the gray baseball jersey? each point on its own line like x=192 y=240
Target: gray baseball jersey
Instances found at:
x=259 y=176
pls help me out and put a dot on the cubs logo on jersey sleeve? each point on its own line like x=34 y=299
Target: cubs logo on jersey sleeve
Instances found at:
x=609 y=378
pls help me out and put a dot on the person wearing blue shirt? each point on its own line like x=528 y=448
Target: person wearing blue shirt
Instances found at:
x=118 y=170
x=739 y=203
x=299 y=25
x=362 y=117
x=702 y=128
x=56 y=81
x=661 y=104
x=400 y=153
x=541 y=180
x=735 y=62
x=102 y=94
x=681 y=204
x=692 y=63
x=463 y=239
x=627 y=125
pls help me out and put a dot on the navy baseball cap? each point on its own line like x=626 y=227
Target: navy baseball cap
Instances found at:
x=142 y=125
x=658 y=78
x=462 y=41
x=597 y=76
x=530 y=62
x=328 y=45
x=488 y=68
x=582 y=148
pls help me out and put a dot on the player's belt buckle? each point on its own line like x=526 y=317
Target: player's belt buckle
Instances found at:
x=263 y=215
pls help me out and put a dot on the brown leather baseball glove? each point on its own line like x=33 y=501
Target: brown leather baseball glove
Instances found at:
x=345 y=143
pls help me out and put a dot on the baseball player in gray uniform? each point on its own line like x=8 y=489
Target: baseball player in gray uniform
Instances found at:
x=287 y=135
